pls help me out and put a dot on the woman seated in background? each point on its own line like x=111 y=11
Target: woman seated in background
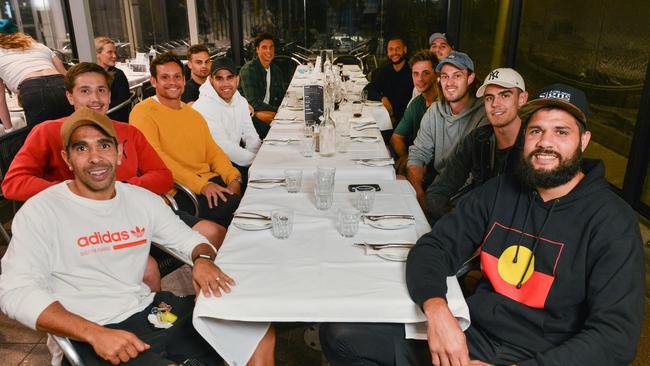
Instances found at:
x=106 y=57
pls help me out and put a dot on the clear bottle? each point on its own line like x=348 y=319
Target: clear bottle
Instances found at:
x=327 y=135
x=151 y=54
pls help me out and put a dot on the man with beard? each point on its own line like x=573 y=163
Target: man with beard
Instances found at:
x=199 y=63
x=424 y=78
x=393 y=83
x=488 y=150
x=447 y=121
x=561 y=255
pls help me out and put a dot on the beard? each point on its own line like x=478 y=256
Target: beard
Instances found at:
x=401 y=58
x=532 y=178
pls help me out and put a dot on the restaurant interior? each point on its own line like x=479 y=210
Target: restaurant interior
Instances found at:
x=602 y=48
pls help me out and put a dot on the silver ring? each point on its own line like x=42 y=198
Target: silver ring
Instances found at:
x=218 y=278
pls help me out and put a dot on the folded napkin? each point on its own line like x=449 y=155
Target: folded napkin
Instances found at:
x=361 y=120
x=280 y=140
x=365 y=138
x=286 y=121
x=375 y=162
x=390 y=251
x=252 y=220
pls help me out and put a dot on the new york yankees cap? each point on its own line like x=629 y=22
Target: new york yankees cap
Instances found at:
x=505 y=77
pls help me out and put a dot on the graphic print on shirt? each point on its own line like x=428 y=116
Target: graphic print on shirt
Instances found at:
x=504 y=273
x=115 y=240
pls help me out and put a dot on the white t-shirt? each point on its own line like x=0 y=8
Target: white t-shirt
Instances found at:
x=267 y=94
x=87 y=254
x=16 y=64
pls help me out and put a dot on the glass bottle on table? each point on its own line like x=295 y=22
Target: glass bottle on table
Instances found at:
x=327 y=138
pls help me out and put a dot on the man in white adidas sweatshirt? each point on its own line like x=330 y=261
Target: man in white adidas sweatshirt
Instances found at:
x=226 y=112
x=75 y=263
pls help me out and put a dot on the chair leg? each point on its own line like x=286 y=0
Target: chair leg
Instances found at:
x=5 y=234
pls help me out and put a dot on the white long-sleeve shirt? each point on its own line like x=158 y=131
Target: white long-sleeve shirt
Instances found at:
x=87 y=254
x=229 y=123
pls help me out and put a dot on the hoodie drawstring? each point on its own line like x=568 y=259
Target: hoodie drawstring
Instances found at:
x=523 y=229
x=539 y=233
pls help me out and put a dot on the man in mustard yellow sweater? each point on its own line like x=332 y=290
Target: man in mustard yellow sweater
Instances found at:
x=182 y=138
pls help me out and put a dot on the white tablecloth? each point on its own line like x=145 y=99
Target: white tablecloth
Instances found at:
x=315 y=275
x=134 y=78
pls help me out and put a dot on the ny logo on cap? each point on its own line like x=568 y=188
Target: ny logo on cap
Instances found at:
x=493 y=75
x=556 y=94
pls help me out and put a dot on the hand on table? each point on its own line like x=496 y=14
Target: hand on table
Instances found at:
x=210 y=279
x=116 y=346
x=446 y=340
x=213 y=192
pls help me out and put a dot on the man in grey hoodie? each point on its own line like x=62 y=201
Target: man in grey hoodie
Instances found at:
x=446 y=122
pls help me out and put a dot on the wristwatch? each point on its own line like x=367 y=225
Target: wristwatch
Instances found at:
x=239 y=179
x=204 y=256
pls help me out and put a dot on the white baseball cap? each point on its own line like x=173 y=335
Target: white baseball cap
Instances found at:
x=505 y=77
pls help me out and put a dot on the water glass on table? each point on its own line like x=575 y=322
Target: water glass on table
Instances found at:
x=342 y=142
x=324 y=197
x=347 y=222
x=325 y=176
x=307 y=146
x=281 y=223
x=365 y=198
x=293 y=180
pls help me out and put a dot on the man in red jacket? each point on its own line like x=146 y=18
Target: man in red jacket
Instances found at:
x=39 y=164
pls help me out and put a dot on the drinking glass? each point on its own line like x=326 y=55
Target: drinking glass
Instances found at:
x=342 y=142
x=281 y=223
x=365 y=198
x=347 y=222
x=307 y=146
x=325 y=177
x=324 y=197
x=293 y=180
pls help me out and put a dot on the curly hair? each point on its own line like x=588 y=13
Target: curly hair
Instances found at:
x=17 y=40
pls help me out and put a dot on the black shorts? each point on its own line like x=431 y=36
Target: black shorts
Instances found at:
x=176 y=344
x=189 y=220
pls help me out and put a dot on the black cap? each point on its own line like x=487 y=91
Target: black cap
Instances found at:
x=562 y=96
x=224 y=63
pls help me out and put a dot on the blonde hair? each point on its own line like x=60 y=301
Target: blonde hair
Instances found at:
x=17 y=40
x=100 y=42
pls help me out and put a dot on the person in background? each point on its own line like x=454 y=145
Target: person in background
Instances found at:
x=423 y=65
x=106 y=58
x=488 y=150
x=199 y=63
x=440 y=46
x=226 y=113
x=34 y=73
x=262 y=83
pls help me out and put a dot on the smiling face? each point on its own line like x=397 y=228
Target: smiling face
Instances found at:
x=553 y=147
x=93 y=157
x=396 y=50
x=501 y=104
x=441 y=48
x=455 y=82
x=225 y=84
x=90 y=91
x=108 y=56
x=423 y=75
x=169 y=81
x=199 y=63
x=265 y=51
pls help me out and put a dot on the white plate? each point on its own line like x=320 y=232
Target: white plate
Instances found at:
x=250 y=226
x=390 y=224
x=264 y=185
x=393 y=257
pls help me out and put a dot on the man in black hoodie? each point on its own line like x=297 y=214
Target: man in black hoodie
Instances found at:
x=561 y=256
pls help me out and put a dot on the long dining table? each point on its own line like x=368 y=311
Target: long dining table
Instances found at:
x=316 y=275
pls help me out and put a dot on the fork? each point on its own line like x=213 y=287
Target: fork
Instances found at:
x=385 y=245
x=381 y=217
x=248 y=214
x=267 y=180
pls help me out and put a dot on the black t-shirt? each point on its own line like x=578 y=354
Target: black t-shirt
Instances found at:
x=191 y=92
x=397 y=86
x=119 y=93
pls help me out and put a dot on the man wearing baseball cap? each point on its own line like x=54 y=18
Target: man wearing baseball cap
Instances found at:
x=226 y=112
x=561 y=256
x=75 y=263
x=488 y=150
x=446 y=122
x=439 y=45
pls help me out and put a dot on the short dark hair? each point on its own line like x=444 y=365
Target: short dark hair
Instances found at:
x=395 y=38
x=424 y=55
x=162 y=59
x=196 y=48
x=84 y=68
x=262 y=37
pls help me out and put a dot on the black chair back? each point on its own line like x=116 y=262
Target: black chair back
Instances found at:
x=288 y=65
x=10 y=143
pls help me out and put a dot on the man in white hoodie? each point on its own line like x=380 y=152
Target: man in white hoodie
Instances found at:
x=226 y=112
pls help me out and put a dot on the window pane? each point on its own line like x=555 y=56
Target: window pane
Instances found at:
x=283 y=18
x=214 y=20
x=157 y=22
x=604 y=52
x=108 y=20
x=43 y=20
x=479 y=20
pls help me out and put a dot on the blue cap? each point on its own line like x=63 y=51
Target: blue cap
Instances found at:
x=7 y=27
x=458 y=59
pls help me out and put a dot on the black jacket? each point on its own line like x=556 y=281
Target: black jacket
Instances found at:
x=582 y=299
x=119 y=93
x=470 y=164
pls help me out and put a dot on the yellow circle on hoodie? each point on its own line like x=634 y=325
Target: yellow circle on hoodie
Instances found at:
x=511 y=272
